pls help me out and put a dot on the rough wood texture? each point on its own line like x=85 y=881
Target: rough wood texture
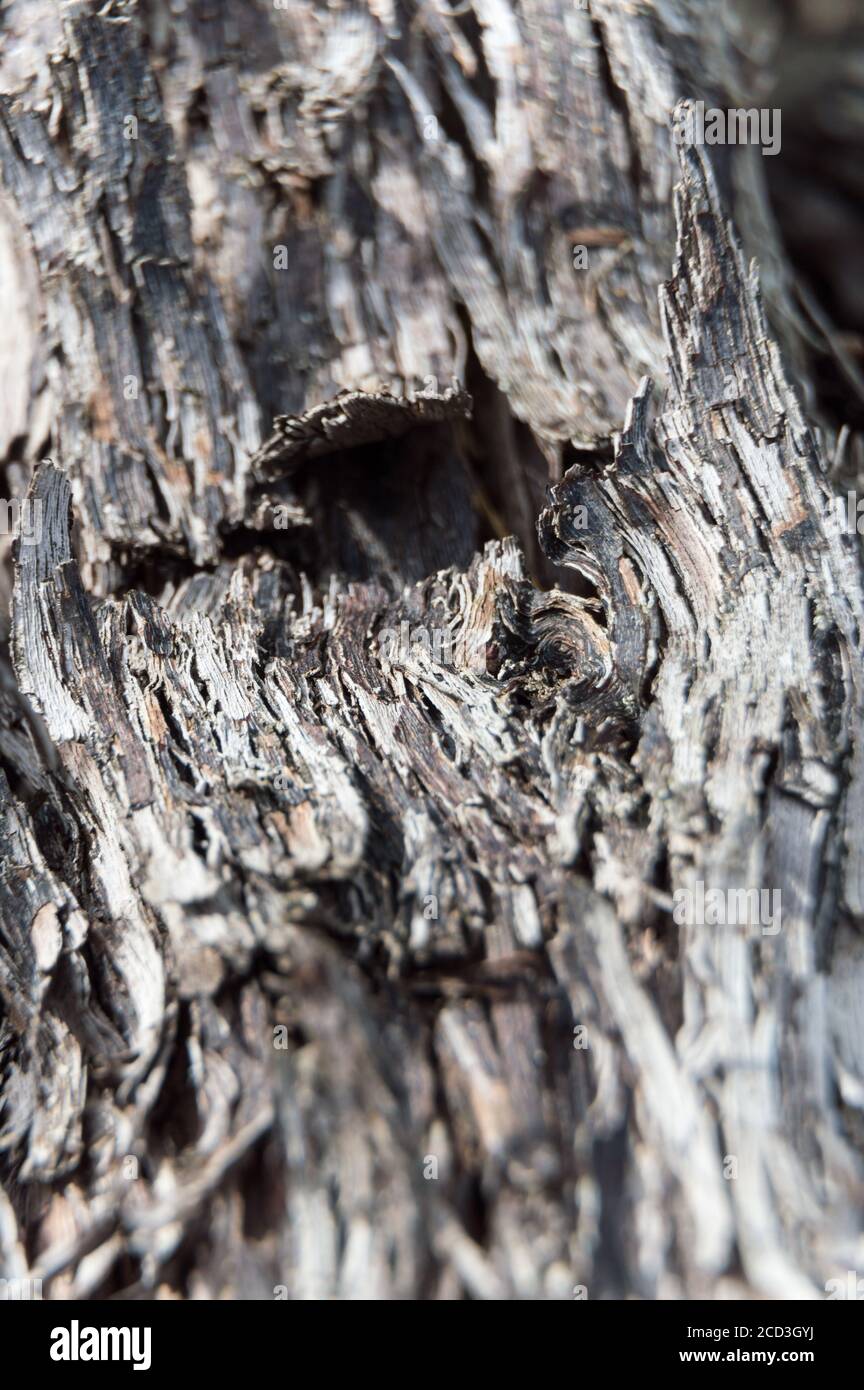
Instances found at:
x=333 y=815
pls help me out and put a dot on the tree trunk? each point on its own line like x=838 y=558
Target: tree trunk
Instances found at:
x=416 y=611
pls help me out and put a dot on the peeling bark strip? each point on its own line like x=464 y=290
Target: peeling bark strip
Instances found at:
x=339 y=966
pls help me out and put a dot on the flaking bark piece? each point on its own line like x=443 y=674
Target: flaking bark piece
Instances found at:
x=352 y=419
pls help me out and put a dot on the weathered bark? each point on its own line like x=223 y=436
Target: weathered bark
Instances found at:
x=300 y=922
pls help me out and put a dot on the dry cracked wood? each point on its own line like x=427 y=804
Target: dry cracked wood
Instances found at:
x=303 y=907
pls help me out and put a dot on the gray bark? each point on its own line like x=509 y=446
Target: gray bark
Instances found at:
x=340 y=965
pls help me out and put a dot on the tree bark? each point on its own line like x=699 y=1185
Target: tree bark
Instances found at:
x=415 y=618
